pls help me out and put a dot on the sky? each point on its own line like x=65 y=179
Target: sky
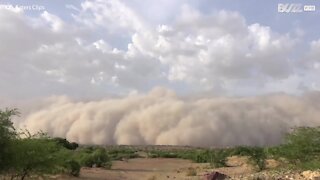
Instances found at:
x=95 y=49
x=180 y=72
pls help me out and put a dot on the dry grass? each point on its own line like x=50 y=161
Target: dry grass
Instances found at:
x=191 y=171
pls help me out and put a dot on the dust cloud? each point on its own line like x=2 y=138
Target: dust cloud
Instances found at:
x=160 y=117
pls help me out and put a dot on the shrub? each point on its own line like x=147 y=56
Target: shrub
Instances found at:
x=65 y=143
x=86 y=160
x=219 y=158
x=242 y=151
x=98 y=158
x=203 y=156
x=73 y=167
x=7 y=134
x=122 y=153
x=310 y=165
x=257 y=155
x=216 y=158
x=34 y=156
x=302 y=144
x=163 y=154
x=191 y=171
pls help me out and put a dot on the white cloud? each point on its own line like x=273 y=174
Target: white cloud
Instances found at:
x=55 y=22
x=314 y=54
x=112 y=15
x=218 y=52
x=217 y=47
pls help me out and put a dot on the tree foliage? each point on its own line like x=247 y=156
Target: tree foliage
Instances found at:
x=7 y=133
x=302 y=145
x=34 y=156
x=65 y=143
x=23 y=154
x=97 y=158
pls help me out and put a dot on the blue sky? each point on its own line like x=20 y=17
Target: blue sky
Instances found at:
x=90 y=49
x=255 y=11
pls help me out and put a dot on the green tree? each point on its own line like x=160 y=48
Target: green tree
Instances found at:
x=34 y=156
x=7 y=134
x=23 y=154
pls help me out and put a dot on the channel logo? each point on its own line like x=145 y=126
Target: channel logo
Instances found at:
x=290 y=8
x=295 y=8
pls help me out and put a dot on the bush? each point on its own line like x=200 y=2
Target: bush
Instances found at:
x=162 y=154
x=242 y=151
x=86 y=160
x=219 y=158
x=73 y=168
x=98 y=158
x=23 y=154
x=310 y=165
x=122 y=153
x=257 y=155
x=7 y=134
x=203 y=156
x=65 y=143
x=216 y=158
x=34 y=156
x=302 y=144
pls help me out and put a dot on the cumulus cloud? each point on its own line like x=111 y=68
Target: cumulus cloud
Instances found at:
x=160 y=117
x=44 y=55
x=311 y=66
x=314 y=53
x=217 y=51
x=221 y=46
x=113 y=15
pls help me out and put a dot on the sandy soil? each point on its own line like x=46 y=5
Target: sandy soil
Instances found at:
x=161 y=168
x=179 y=169
x=143 y=169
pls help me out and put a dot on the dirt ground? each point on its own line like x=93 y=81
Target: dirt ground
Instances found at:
x=161 y=168
x=141 y=169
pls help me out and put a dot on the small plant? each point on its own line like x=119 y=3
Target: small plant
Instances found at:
x=219 y=158
x=122 y=153
x=97 y=158
x=191 y=171
x=74 y=168
x=258 y=156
